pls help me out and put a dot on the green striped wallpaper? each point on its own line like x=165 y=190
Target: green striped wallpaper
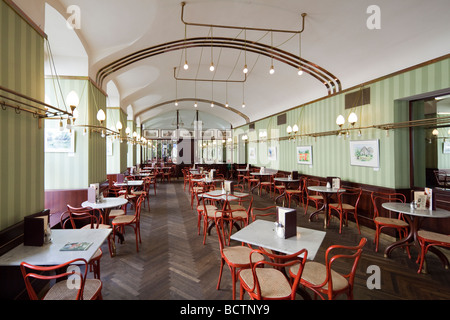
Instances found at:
x=21 y=140
x=88 y=163
x=331 y=155
x=117 y=163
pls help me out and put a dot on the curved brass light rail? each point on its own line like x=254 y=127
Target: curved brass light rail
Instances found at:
x=218 y=104
x=331 y=82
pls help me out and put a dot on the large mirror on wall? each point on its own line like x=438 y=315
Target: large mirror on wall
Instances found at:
x=431 y=143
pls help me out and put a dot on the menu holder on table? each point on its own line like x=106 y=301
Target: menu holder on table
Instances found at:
x=34 y=230
x=229 y=186
x=287 y=218
x=92 y=195
x=294 y=175
x=120 y=178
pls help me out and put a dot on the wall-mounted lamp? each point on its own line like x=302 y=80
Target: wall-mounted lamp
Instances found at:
x=101 y=116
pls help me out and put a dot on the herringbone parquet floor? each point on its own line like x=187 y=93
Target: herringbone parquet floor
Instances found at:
x=173 y=263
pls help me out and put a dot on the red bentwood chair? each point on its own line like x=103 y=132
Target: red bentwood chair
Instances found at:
x=265 y=281
x=70 y=284
x=236 y=257
x=326 y=282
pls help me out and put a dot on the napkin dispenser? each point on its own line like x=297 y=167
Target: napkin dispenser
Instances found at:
x=35 y=229
x=287 y=219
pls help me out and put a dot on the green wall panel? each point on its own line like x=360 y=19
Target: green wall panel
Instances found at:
x=21 y=140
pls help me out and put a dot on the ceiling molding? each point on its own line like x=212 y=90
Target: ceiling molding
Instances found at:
x=330 y=81
x=216 y=104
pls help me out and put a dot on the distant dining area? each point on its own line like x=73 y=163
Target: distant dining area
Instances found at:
x=205 y=151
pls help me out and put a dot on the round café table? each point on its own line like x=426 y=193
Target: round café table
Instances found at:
x=285 y=181
x=105 y=206
x=414 y=217
x=326 y=195
x=260 y=175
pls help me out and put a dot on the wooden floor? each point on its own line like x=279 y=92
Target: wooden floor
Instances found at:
x=173 y=264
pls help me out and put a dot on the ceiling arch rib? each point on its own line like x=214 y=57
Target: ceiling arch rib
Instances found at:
x=218 y=104
x=331 y=82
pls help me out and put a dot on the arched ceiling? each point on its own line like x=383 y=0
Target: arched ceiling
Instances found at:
x=136 y=44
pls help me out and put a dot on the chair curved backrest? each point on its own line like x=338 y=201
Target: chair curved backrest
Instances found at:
x=278 y=262
x=345 y=252
x=263 y=212
x=92 y=216
x=349 y=196
x=75 y=277
x=379 y=198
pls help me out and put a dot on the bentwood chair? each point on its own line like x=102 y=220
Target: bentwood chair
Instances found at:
x=323 y=280
x=298 y=192
x=428 y=239
x=270 y=211
x=278 y=187
x=236 y=257
x=210 y=211
x=312 y=195
x=87 y=218
x=348 y=201
x=264 y=280
x=145 y=191
x=71 y=284
x=385 y=219
x=119 y=223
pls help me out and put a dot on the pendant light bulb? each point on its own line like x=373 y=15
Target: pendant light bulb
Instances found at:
x=300 y=71
x=195 y=104
x=272 y=70
x=186 y=66
x=211 y=68
x=245 y=70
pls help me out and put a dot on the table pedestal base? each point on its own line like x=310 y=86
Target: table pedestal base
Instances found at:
x=411 y=240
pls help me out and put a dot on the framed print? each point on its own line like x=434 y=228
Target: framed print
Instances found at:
x=59 y=141
x=446 y=147
x=365 y=153
x=151 y=134
x=272 y=153
x=304 y=155
x=166 y=133
x=252 y=154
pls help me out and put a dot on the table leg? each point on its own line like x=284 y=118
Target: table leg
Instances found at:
x=324 y=208
x=283 y=195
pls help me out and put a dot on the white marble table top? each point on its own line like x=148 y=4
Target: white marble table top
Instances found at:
x=222 y=195
x=50 y=254
x=405 y=208
x=132 y=183
x=262 y=233
x=281 y=179
x=325 y=189
x=106 y=204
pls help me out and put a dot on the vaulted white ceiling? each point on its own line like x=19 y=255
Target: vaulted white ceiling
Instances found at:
x=335 y=37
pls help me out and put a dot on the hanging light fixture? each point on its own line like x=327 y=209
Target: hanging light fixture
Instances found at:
x=300 y=70
x=272 y=69
x=186 y=66
x=211 y=67
x=245 y=70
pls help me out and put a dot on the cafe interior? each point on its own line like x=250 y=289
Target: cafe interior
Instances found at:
x=224 y=150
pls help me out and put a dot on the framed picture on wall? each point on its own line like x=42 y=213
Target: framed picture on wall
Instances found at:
x=59 y=141
x=251 y=153
x=272 y=153
x=446 y=147
x=304 y=155
x=166 y=133
x=365 y=153
x=151 y=134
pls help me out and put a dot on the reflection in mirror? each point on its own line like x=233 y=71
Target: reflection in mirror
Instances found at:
x=431 y=144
